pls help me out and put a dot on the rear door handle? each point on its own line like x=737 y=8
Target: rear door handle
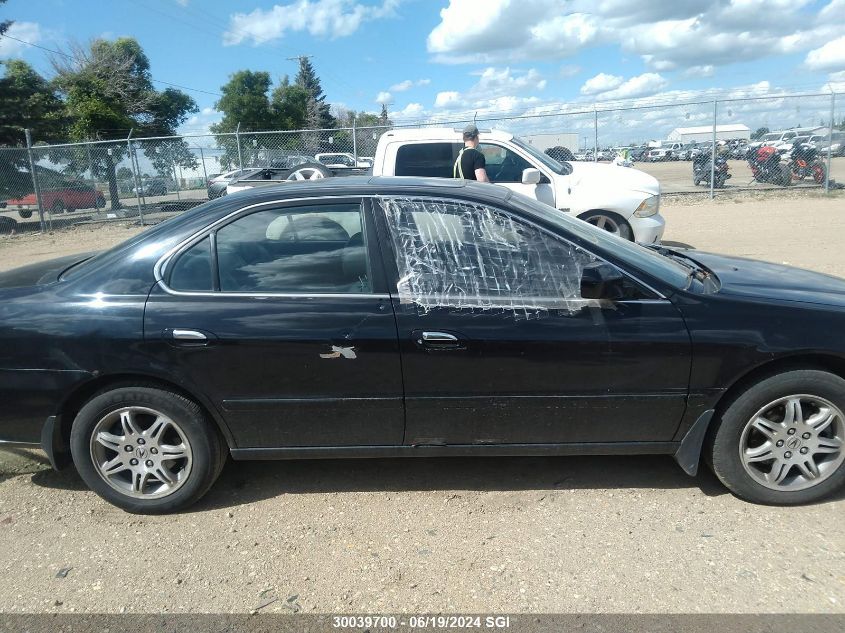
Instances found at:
x=438 y=340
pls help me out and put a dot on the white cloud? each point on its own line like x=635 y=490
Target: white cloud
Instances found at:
x=666 y=35
x=411 y=111
x=402 y=86
x=569 y=70
x=831 y=56
x=321 y=18
x=643 y=85
x=183 y=3
x=446 y=99
x=601 y=83
x=26 y=31
x=384 y=97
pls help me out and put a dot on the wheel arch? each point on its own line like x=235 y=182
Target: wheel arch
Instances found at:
x=69 y=407
x=819 y=361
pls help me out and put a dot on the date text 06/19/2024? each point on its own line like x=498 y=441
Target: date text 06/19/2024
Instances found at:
x=421 y=622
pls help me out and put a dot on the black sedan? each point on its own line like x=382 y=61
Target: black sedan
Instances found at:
x=372 y=317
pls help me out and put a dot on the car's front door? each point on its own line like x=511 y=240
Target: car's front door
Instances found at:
x=498 y=347
x=280 y=317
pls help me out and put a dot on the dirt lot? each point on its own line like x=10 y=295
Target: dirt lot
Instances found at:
x=622 y=534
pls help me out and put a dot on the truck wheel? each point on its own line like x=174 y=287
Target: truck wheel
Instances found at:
x=610 y=222
x=25 y=214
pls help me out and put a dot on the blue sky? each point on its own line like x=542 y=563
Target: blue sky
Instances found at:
x=447 y=58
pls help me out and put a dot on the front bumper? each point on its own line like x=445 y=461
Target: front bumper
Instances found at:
x=648 y=230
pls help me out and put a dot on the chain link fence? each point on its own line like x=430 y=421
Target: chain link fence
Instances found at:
x=43 y=187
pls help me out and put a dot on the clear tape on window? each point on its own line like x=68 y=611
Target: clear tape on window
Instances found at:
x=463 y=255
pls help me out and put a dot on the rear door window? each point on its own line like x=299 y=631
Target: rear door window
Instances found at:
x=436 y=159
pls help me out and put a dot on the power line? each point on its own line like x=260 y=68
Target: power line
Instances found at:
x=158 y=81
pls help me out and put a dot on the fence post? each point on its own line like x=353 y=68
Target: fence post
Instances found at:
x=136 y=168
x=829 y=141
x=35 y=188
x=354 y=141
x=596 y=137
x=713 y=152
x=204 y=172
x=238 y=140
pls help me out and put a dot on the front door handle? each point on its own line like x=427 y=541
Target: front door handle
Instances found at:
x=438 y=340
x=194 y=336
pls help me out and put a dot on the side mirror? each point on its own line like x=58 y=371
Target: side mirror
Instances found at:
x=601 y=280
x=530 y=176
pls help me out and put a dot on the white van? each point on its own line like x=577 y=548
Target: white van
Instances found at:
x=620 y=200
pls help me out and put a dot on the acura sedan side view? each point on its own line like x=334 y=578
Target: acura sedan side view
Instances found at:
x=375 y=317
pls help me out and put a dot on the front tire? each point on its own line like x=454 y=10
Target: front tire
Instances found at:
x=780 y=442
x=146 y=450
x=610 y=222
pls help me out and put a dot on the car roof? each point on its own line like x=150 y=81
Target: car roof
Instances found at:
x=440 y=133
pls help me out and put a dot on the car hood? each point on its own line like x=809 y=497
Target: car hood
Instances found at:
x=598 y=175
x=764 y=280
x=40 y=273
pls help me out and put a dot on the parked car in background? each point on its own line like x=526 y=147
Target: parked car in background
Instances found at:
x=685 y=153
x=668 y=150
x=637 y=153
x=63 y=198
x=623 y=201
x=342 y=159
x=836 y=145
x=218 y=182
x=151 y=187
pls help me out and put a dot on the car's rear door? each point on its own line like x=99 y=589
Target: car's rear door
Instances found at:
x=498 y=347
x=280 y=317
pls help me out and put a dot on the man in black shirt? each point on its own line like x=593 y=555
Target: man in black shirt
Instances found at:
x=470 y=164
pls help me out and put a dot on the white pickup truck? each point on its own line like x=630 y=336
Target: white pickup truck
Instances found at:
x=621 y=200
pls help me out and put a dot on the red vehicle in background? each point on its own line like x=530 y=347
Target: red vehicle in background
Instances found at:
x=60 y=199
x=766 y=166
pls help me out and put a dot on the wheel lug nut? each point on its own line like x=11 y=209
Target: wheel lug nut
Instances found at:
x=806 y=436
x=780 y=443
x=149 y=463
x=154 y=451
x=804 y=450
x=790 y=431
x=128 y=448
x=133 y=462
x=142 y=441
x=787 y=454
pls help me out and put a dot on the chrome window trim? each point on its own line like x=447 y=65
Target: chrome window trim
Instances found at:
x=187 y=243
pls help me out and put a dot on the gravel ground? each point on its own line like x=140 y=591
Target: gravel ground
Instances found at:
x=587 y=534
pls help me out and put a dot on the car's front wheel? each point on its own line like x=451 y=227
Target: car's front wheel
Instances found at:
x=782 y=441
x=146 y=450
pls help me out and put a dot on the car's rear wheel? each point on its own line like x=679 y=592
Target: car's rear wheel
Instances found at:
x=146 y=450
x=782 y=441
x=610 y=222
x=25 y=214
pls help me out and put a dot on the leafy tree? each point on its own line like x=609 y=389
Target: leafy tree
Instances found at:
x=108 y=92
x=245 y=101
x=383 y=118
x=28 y=101
x=320 y=111
x=290 y=105
x=761 y=131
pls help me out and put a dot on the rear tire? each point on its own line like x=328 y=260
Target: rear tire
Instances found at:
x=761 y=438
x=309 y=171
x=146 y=450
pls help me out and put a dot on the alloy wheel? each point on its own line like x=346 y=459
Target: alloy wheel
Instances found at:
x=306 y=173
x=605 y=223
x=141 y=453
x=793 y=443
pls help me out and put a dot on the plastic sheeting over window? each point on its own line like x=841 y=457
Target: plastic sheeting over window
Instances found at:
x=463 y=255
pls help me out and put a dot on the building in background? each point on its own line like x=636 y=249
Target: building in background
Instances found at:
x=705 y=133
x=542 y=142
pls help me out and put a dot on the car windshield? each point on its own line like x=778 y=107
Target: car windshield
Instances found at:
x=540 y=157
x=645 y=259
x=771 y=137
